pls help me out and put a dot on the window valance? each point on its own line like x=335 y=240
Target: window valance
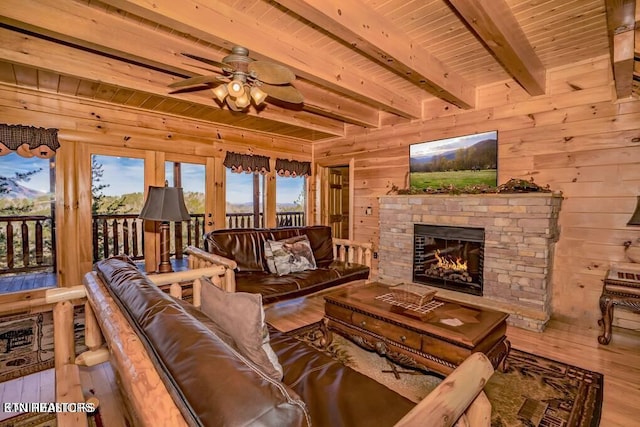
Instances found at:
x=28 y=141
x=292 y=168
x=246 y=163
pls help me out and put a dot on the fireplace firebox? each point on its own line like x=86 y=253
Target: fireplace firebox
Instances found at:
x=448 y=257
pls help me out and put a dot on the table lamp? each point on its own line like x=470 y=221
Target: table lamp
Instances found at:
x=164 y=204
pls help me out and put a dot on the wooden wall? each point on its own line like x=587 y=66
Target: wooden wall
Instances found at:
x=576 y=139
x=87 y=126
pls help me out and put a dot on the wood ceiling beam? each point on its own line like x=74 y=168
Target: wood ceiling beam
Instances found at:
x=497 y=27
x=361 y=27
x=85 y=26
x=30 y=51
x=622 y=27
x=223 y=25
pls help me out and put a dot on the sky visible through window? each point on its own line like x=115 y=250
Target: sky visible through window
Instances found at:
x=123 y=175
x=192 y=176
x=12 y=163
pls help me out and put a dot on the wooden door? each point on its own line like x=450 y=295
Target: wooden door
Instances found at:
x=338 y=201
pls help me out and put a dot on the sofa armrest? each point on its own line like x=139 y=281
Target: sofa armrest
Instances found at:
x=454 y=396
x=216 y=273
x=148 y=400
x=351 y=251
x=199 y=258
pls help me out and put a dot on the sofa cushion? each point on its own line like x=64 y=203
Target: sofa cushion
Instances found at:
x=289 y=255
x=245 y=247
x=240 y=315
x=321 y=243
x=335 y=394
x=185 y=350
x=277 y=288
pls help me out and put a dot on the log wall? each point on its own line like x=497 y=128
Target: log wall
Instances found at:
x=576 y=139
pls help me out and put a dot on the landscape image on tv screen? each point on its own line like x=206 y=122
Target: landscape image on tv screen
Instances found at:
x=463 y=161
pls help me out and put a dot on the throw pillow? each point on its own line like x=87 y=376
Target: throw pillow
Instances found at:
x=289 y=255
x=268 y=256
x=240 y=314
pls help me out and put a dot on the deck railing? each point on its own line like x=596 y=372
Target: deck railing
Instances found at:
x=26 y=243
x=115 y=234
x=246 y=220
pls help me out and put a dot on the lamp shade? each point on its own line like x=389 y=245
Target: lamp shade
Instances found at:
x=165 y=204
x=258 y=95
x=242 y=101
x=220 y=92
x=635 y=218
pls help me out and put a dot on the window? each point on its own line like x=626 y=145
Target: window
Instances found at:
x=27 y=191
x=117 y=189
x=290 y=200
x=191 y=178
x=244 y=197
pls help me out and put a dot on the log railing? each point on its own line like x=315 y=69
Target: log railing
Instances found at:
x=26 y=243
x=290 y=219
x=115 y=234
x=244 y=220
x=247 y=220
x=351 y=251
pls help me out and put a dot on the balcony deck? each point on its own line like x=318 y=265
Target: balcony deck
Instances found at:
x=21 y=282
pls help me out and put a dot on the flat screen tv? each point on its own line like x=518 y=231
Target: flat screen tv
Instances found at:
x=462 y=161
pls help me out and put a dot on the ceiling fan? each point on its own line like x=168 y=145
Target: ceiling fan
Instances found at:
x=242 y=79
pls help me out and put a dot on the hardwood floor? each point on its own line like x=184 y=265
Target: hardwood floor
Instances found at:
x=619 y=362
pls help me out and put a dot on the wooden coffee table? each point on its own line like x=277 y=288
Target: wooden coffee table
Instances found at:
x=438 y=340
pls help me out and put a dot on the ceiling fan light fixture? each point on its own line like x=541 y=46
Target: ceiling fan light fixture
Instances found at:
x=235 y=88
x=258 y=95
x=242 y=101
x=220 y=92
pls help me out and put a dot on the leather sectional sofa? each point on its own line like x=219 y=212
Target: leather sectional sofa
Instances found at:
x=178 y=370
x=245 y=247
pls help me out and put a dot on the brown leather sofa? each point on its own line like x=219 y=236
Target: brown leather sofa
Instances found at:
x=177 y=369
x=213 y=385
x=246 y=248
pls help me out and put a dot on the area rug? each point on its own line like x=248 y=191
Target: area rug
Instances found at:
x=26 y=342
x=533 y=392
x=32 y=419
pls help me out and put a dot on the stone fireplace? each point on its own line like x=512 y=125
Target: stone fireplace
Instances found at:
x=507 y=241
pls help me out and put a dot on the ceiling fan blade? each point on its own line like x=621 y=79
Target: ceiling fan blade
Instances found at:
x=190 y=89
x=209 y=69
x=272 y=73
x=207 y=61
x=198 y=80
x=284 y=93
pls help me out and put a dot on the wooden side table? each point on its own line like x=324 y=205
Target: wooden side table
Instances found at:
x=621 y=287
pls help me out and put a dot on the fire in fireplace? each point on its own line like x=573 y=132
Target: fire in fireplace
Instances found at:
x=448 y=257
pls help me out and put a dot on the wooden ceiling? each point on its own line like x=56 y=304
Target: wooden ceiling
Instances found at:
x=358 y=62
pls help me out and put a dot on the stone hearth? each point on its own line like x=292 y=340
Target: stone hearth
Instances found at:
x=520 y=234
